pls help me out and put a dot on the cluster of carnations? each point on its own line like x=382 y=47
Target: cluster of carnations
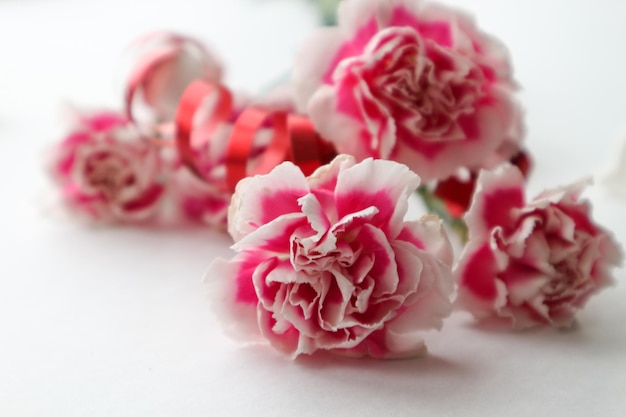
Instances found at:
x=403 y=92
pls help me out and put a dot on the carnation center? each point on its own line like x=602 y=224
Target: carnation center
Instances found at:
x=108 y=173
x=567 y=281
x=423 y=87
x=340 y=278
x=315 y=259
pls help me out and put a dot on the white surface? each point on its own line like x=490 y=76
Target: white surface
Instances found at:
x=113 y=322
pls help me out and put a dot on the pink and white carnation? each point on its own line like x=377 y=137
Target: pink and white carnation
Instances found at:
x=200 y=201
x=531 y=263
x=327 y=262
x=107 y=171
x=411 y=82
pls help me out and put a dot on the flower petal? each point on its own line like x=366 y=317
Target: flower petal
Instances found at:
x=385 y=185
x=275 y=235
x=429 y=235
x=480 y=291
x=234 y=306
x=497 y=193
x=259 y=200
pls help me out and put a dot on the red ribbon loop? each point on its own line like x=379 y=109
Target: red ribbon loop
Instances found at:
x=192 y=99
x=240 y=143
x=293 y=136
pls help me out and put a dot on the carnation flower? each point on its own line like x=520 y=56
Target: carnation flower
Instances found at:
x=532 y=263
x=198 y=200
x=326 y=262
x=416 y=83
x=107 y=171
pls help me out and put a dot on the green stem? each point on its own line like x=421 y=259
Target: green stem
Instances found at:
x=328 y=11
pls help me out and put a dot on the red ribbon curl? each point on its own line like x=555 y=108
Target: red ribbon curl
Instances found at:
x=293 y=136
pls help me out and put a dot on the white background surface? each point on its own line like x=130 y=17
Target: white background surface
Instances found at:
x=113 y=321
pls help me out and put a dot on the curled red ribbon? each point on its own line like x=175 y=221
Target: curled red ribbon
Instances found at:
x=293 y=136
x=193 y=98
x=242 y=138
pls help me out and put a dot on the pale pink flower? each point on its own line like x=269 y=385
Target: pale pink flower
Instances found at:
x=198 y=200
x=412 y=82
x=531 y=263
x=107 y=171
x=326 y=262
x=164 y=65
